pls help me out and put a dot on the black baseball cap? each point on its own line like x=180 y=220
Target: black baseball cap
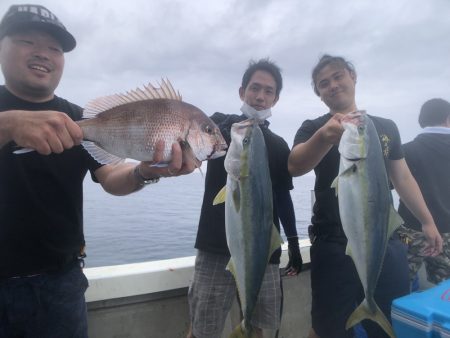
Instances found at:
x=38 y=17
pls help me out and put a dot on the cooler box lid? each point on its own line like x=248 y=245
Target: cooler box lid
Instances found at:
x=426 y=311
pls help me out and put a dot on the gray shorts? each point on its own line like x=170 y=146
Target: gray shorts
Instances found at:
x=213 y=290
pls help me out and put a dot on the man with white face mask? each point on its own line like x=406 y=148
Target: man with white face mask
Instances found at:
x=213 y=288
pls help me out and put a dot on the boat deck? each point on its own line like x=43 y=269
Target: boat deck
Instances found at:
x=149 y=299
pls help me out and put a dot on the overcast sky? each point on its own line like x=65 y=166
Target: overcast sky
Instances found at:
x=400 y=48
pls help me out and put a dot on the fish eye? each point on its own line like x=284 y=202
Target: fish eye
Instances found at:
x=245 y=140
x=208 y=129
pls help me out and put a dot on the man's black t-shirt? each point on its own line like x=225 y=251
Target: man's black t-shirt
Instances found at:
x=428 y=157
x=41 y=199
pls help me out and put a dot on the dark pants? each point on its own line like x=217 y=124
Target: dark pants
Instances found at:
x=336 y=288
x=44 y=306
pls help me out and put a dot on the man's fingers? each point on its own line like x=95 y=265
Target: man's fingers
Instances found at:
x=55 y=144
x=66 y=138
x=74 y=131
x=431 y=250
x=46 y=131
x=158 y=156
x=177 y=159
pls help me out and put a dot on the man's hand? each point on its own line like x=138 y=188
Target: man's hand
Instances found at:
x=434 y=240
x=332 y=131
x=295 y=263
x=183 y=162
x=44 y=131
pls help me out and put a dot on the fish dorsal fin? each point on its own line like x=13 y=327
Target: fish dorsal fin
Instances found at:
x=149 y=92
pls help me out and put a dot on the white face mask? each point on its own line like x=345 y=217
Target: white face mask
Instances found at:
x=252 y=113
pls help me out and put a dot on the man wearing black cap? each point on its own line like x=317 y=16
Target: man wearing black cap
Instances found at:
x=428 y=157
x=41 y=220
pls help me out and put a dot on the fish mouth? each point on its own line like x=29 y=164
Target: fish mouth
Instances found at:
x=356 y=118
x=219 y=150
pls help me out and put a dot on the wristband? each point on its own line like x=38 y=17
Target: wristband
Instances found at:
x=142 y=181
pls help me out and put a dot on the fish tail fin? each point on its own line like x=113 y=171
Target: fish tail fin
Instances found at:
x=100 y=155
x=363 y=311
x=243 y=331
x=220 y=197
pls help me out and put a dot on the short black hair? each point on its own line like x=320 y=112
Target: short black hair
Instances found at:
x=326 y=60
x=434 y=112
x=265 y=65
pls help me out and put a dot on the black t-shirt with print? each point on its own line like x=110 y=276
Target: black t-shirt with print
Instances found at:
x=326 y=219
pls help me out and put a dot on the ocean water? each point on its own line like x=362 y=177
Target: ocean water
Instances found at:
x=160 y=221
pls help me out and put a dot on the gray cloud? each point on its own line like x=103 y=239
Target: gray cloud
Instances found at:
x=399 y=49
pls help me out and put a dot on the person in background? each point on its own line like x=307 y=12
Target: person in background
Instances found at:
x=41 y=196
x=336 y=288
x=428 y=157
x=213 y=288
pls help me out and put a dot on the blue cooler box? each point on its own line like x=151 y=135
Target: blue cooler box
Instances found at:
x=423 y=314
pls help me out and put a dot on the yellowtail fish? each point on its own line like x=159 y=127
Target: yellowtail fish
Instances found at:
x=365 y=206
x=251 y=235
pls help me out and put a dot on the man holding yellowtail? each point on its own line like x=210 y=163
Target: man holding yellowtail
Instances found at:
x=356 y=258
x=214 y=288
